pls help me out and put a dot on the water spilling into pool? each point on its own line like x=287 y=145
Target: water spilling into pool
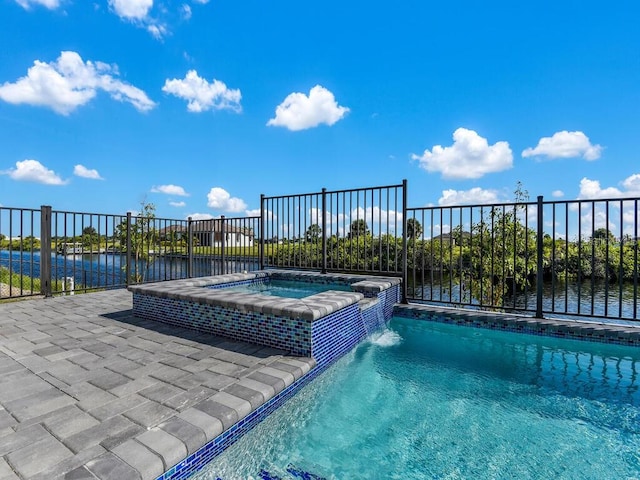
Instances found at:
x=427 y=400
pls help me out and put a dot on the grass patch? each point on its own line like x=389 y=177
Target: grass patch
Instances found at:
x=24 y=284
x=19 y=282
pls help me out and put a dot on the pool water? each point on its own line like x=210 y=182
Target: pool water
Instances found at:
x=288 y=288
x=425 y=400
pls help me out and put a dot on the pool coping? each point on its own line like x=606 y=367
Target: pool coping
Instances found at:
x=309 y=308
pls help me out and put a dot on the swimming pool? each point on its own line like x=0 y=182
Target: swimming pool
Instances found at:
x=288 y=288
x=430 y=400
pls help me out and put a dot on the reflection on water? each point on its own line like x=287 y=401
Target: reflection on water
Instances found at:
x=106 y=270
x=597 y=299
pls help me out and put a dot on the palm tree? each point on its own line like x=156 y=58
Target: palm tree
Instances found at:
x=414 y=229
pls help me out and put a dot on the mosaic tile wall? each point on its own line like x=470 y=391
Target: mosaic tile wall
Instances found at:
x=292 y=335
x=388 y=299
x=334 y=335
x=585 y=331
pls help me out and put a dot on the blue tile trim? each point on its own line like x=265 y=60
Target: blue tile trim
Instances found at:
x=584 y=331
x=215 y=447
x=289 y=334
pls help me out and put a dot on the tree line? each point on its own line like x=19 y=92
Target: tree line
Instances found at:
x=496 y=258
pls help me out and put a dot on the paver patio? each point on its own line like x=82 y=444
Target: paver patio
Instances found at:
x=89 y=391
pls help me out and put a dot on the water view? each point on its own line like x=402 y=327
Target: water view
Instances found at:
x=98 y=270
x=588 y=299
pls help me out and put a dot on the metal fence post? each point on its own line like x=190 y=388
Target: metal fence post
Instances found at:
x=262 y=222
x=540 y=263
x=405 y=271
x=189 y=248
x=128 y=248
x=324 y=230
x=223 y=243
x=45 y=250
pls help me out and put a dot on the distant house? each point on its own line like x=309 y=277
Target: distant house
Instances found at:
x=451 y=238
x=208 y=233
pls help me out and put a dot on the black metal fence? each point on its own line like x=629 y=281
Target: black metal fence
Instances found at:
x=19 y=252
x=574 y=258
x=47 y=252
x=355 y=230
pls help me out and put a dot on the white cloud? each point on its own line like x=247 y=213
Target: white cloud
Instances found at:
x=84 y=172
x=186 y=11
x=440 y=229
x=131 y=9
x=200 y=216
x=256 y=213
x=632 y=184
x=376 y=214
x=220 y=199
x=68 y=83
x=470 y=156
x=565 y=145
x=299 y=112
x=34 y=171
x=138 y=12
x=50 y=4
x=202 y=2
x=590 y=189
x=557 y=194
x=315 y=216
x=156 y=30
x=268 y=214
x=170 y=190
x=474 y=196
x=202 y=95
x=178 y=204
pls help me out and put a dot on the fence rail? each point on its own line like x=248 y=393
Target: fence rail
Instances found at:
x=570 y=257
x=48 y=252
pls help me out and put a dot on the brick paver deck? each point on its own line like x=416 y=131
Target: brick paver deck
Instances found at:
x=89 y=391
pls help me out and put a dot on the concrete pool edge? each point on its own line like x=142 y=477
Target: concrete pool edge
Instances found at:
x=283 y=323
x=627 y=335
x=309 y=308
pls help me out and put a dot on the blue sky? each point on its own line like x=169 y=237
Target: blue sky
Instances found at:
x=200 y=106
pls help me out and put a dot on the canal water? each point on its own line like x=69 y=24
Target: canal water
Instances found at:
x=98 y=270
x=104 y=270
